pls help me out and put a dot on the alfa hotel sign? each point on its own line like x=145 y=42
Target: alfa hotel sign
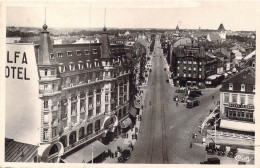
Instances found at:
x=15 y=65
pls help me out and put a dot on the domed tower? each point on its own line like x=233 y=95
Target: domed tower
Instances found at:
x=49 y=87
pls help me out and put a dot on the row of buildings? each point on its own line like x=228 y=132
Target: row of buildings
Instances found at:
x=194 y=62
x=68 y=96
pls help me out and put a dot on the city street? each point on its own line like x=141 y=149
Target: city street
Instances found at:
x=166 y=127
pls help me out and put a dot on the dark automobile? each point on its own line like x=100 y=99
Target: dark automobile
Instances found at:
x=233 y=151
x=125 y=155
x=198 y=92
x=164 y=69
x=180 y=91
x=167 y=80
x=211 y=161
x=222 y=150
x=193 y=95
x=211 y=148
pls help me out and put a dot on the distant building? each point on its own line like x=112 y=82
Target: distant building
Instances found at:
x=13 y=39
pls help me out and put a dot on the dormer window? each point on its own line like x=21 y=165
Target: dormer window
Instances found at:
x=59 y=54
x=69 y=53
x=80 y=65
x=86 y=52
x=230 y=86
x=78 y=52
x=72 y=66
x=94 y=51
x=61 y=68
x=52 y=56
x=243 y=87
x=46 y=72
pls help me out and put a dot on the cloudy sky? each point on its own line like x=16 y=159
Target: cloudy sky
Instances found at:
x=149 y=14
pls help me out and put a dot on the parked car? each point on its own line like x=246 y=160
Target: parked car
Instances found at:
x=198 y=92
x=125 y=155
x=180 y=91
x=222 y=150
x=211 y=161
x=164 y=69
x=211 y=148
x=233 y=151
x=167 y=80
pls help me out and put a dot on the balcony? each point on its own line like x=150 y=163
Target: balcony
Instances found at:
x=74 y=113
x=49 y=92
x=63 y=115
x=55 y=122
x=98 y=103
x=73 y=99
x=54 y=108
x=90 y=106
x=82 y=110
x=82 y=96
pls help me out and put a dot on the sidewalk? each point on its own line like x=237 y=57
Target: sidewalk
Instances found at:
x=124 y=142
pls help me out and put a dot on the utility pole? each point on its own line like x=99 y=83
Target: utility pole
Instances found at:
x=215 y=124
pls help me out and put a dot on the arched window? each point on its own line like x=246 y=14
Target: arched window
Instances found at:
x=97 y=125
x=90 y=129
x=54 y=149
x=81 y=133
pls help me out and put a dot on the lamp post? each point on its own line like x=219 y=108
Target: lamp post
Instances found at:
x=215 y=125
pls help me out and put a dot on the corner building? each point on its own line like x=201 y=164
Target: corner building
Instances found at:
x=83 y=95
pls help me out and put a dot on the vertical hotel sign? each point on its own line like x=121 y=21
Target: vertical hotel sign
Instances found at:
x=22 y=105
x=16 y=65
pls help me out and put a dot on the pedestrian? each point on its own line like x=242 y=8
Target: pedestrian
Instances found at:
x=126 y=135
x=190 y=144
x=177 y=104
x=112 y=155
x=116 y=153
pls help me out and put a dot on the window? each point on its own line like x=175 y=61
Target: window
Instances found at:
x=243 y=87
x=178 y=67
x=230 y=86
x=194 y=68
x=184 y=67
x=89 y=129
x=106 y=108
x=45 y=134
x=86 y=52
x=80 y=66
x=53 y=86
x=45 y=104
x=94 y=51
x=51 y=56
x=226 y=97
x=253 y=88
x=72 y=67
x=45 y=87
x=106 y=96
x=78 y=52
x=199 y=76
x=69 y=53
x=178 y=74
x=234 y=98
x=242 y=99
x=54 y=132
x=62 y=69
x=250 y=100
x=59 y=55
x=199 y=69
x=53 y=72
x=97 y=125
x=46 y=72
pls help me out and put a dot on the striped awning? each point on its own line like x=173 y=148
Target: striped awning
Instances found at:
x=126 y=123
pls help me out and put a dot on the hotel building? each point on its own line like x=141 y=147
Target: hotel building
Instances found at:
x=62 y=96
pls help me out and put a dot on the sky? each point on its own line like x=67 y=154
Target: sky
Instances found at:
x=235 y=16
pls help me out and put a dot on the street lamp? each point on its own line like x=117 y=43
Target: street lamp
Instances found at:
x=215 y=125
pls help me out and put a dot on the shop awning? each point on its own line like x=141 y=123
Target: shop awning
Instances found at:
x=126 y=123
x=85 y=154
x=237 y=125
